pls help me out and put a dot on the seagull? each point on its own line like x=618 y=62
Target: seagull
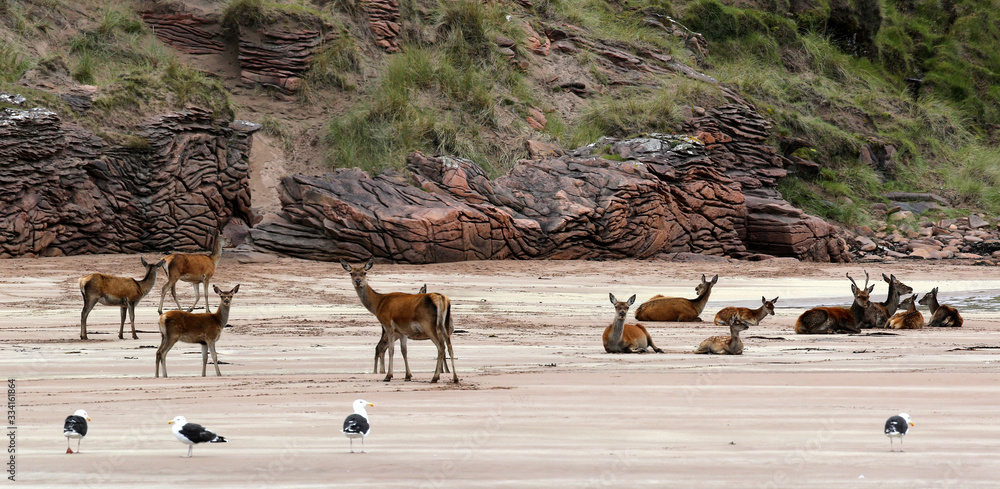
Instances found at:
x=191 y=433
x=356 y=425
x=896 y=426
x=75 y=427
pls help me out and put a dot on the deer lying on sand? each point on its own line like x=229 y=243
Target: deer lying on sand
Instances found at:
x=661 y=308
x=413 y=316
x=828 y=320
x=726 y=345
x=941 y=315
x=879 y=312
x=752 y=317
x=204 y=328
x=194 y=268
x=626 y=338
x=910 y=318
x=110 y=290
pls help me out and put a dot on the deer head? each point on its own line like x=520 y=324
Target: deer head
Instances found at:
x=359 y=275
x=768 y=304
x=861 y=294
x=621 y=308
x=705 y=286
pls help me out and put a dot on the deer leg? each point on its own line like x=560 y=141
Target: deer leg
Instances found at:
x=121 y=328
x=173 y=293
x=380 y=354
x=451 y=353
x=131 y=315
x=163 y=295
x=197 y=297
x=87 y=307
x=390 y=347
x=406 y=361
x=161 y=355
x=215 y=358
x=206 y=296
x=204 y=358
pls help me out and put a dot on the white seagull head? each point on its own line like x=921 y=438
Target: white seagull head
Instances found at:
x=907 y=418
x=81 y=413
x=360 y=405
x=179 y=421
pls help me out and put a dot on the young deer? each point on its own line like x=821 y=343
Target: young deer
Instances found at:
x=752 y=317
x=195 y=268
x=941 y=315
x=910 y=318
x=204 y=328
x=626 y=338
x=828 y=320
x=726 y=345
x=110 y=290
x=383 y=343
x=879 y=312
x=661 y=308
x=413 y=316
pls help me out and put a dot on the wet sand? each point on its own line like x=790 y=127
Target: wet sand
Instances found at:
x=540 y=404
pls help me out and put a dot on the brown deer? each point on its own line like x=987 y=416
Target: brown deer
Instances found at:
x=910 y=318
x=752 y=317
x=626 y=338
x=383 y=343
x=110 y=290
x=413 y=316
x=726 y=345
x=204 y=328
x=661 y=308
x=941 y=315
x=195 y=268
x=829 y=320
x=879 y=312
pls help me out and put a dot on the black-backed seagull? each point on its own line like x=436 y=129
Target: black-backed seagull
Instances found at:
x=896 y=427
x=356 y=425
x=75 y=427
x=191 y=433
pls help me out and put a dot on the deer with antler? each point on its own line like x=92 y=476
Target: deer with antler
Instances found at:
x=878 y=313
x=752 y=317
x=829 y=320
x=413 y=316
x=660 y=308
x=626 y=338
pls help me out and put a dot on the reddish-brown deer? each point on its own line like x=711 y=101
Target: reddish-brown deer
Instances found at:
x=726 y=345
x=383 y=343
x=413 y=316
x=829 y=320
x=110 y=290
x=752 y=317
x=879 y=312
x=910 y=318
x=941 y=315
x=626 y=338
x=195 y=268
x=203 y=328
x=660 y=308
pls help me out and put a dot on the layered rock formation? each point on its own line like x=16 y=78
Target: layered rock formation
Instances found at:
x=669 y=194
x=183 y=31
x=67 y=191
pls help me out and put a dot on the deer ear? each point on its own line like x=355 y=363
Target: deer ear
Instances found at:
x=368 y=266
x=345 y=265
x=143 y=260
x=612 y=296
x=236 y=289
x=631 y=300
x=870 y=289
x=703 y=278
x=216 y=289
x=763 y=300
x=774 y=300
x=715 y=279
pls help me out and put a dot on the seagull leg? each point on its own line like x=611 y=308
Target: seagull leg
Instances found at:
x=901 y=443
x=352 y=444
x=362 y=444
x=892 y=448
x=68 y=444
x=190 y=449
x=78 y=440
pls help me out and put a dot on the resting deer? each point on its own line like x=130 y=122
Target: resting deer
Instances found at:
x=752 y=317
x=413 y=316
x=383 y=343
x=726 y=345
x=879 y=312
x=110 y=290
x=195 y=268
x=909 y=318
x=661 y=308
x=828 y=320
x=204 y=328
x=941 y=315
x=626 y=338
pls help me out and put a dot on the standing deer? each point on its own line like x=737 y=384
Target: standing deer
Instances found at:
x=110 y=290
x=626 y=338
x=752 y=317
x=909 y=318
x=661 y=308
x=726 y=345
x=195 y=268
x=879 y=312
x=413 y=316
x=204 y=328
x=828 y=320
x=941 y=315
x=383 y=343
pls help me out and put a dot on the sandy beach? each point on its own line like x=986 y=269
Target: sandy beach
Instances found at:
x=540 y=404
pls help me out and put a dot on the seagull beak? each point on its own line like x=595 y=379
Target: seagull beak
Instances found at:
x=88 y=419
x=371 y=404
x=911 y=423
x=170 y=422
